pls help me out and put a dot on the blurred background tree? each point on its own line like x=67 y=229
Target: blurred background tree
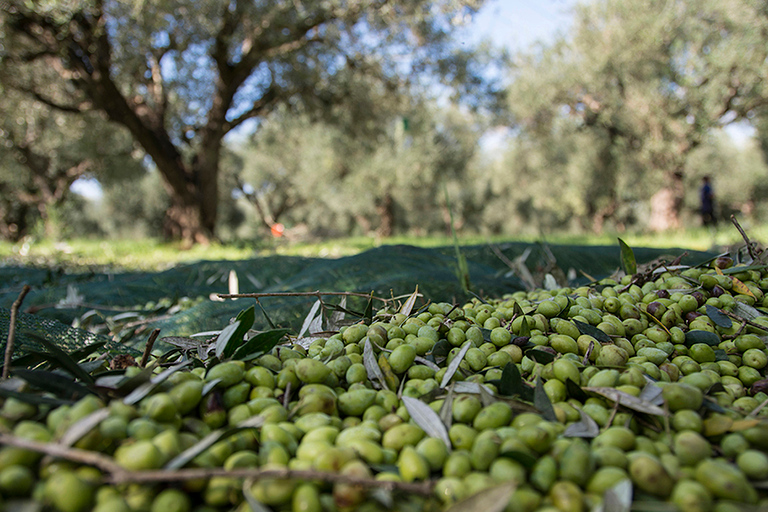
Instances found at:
x=180 y=76
x=346 y=119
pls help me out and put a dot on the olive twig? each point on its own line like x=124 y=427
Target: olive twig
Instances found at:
x=317 y=294
x=181 y=475
x=12 y=330
x=148 y=347
x=750 y=248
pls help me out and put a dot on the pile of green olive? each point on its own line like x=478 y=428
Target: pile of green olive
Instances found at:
x=560 y=394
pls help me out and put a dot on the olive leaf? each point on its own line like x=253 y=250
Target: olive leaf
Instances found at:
x=372 y=366
x=540 y=356
x=225 y=337
x=628 y=262
x=585 y=427
x=701 y=336
x=440 y=351
x=146 y=388
x=427 y=419
x=542 y=402
x=33 y=398
x=741 y=288
x=719 y=318
x=525 y=329
x=311 y=320
x=628 y=401
x=337 y=317
x=651 y=393
x=575 y=391
x=409 y=303
x=619 y=497
x=451 y=370
x=84 y=425
x=591 y=330
x=511 y=382
x=259 y=344
x=493 y=499
x=253 y=504
x=58 y=357
x=196 y=449
x=55 y=383
x=746 y=311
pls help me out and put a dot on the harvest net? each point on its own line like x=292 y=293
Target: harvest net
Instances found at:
x=77 y=309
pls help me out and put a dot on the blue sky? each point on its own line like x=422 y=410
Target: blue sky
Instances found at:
x=516 y=24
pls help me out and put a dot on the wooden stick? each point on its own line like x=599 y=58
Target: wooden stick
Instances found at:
x=12 y=330
x=317 y=294
x=119 y=475
x=148 y=347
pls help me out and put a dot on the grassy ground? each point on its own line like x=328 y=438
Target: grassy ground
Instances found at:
x=150 y=254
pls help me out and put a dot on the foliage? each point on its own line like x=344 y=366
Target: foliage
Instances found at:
x=179 y=77
x=639 y=85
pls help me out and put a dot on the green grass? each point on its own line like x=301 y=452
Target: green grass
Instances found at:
x=151 y=254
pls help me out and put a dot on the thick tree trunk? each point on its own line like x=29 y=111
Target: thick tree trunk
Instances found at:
x=667 y=204
x=386 y=211
x=191 y=217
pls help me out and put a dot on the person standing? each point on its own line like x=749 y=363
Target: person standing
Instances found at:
x=707 y=196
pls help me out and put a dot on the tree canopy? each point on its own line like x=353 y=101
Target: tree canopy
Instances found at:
x=647 y=82
x=180 y=76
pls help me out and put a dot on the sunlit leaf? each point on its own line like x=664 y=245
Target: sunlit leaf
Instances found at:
x=310 y=319
x=525 y=328
x=233 y=283
x=427 y=419
x=226 y=336
x=628 y=262
x=410 y=302
x=741 y=288
x=651 y=393
x=719 y=318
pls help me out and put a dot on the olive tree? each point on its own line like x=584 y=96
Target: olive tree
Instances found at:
x=181 y=75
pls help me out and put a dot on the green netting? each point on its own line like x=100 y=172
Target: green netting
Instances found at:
x=68 y=338
x=385 y=271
